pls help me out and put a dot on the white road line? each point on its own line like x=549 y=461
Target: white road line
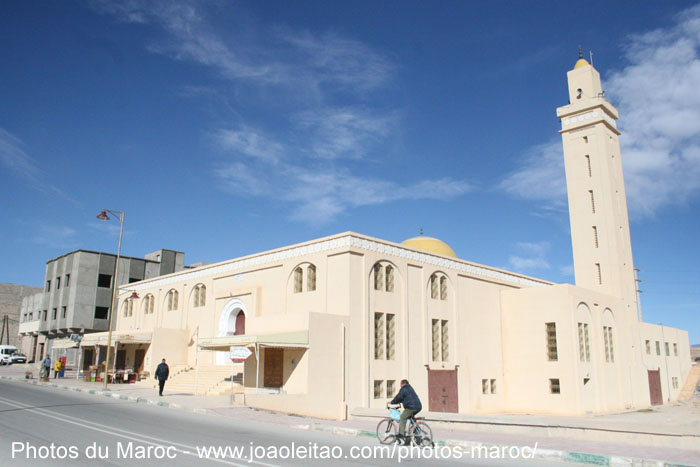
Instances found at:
x=123 y=433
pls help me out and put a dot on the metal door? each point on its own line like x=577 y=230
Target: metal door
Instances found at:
x=442 y=391
x=655 y=387
x=273 y=368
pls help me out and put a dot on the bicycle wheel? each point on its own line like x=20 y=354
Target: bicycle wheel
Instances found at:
x=386 y=431
x=422 y=435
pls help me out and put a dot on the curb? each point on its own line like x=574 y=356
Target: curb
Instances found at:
x=540 y=453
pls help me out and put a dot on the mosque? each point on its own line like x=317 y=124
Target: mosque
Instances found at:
x=334 y=324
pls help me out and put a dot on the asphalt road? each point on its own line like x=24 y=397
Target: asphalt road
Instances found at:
x=47 y=427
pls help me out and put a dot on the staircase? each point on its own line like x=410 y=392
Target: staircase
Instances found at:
x=691 y=383
x=151 y=382
x=213 y=380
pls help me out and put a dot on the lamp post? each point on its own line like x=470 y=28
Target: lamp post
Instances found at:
x=104 y=217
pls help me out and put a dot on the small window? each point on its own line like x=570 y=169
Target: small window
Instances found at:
x=311 y=278
x=484 y=386
x=58 y=283
x=434 y=286
x=55 y=311
x=668 y=352
x=585 y=139
x=598 y=273
x=389 y=279
x=378 y=389
x=45 y=314
x=675 y=350
x=588 y=165
x=390 y=388
x=104 y=280
x=658 y=348
x=133 y=279
x=648 y=346
x=48 y=286
x=67 y=281
x=551 y=334
x=298 y=280
x=554 y=387
x=390 y=336
x=595 y=236
x=608 y=340
x=493 y=386
x=101 y=312
x=590 y=192
x=379 y=342
x=378 y=277
x=443 y=288
x=436 y=339
x=445 y=335
x=63 y=312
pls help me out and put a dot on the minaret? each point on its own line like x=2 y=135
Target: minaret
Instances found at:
x=600 y=233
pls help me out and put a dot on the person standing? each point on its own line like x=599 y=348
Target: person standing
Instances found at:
x=63 y=367
x=411 y=406
x=56 y=368
x=46 y=368
x=162 y=373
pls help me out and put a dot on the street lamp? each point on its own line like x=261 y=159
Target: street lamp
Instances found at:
x=104 y=217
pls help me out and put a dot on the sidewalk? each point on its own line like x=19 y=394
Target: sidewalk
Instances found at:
x=552 y=434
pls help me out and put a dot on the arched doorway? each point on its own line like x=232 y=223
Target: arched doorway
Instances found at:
x=231 y=321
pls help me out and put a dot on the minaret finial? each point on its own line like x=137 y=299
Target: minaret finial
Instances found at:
x=421 y=231
x=580 y=51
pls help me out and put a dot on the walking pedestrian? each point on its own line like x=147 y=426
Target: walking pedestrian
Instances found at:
x=162 y=373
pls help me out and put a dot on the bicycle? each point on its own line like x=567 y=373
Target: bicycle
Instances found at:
x=418 y=432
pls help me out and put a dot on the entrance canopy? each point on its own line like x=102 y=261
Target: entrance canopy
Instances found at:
x=100 y=338
x=299 y=339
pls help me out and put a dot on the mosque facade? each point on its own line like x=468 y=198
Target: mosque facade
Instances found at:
x=334 y=324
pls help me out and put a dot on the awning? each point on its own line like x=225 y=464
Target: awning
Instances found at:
x=100 y=338
x=63 y=343
x=282 y=339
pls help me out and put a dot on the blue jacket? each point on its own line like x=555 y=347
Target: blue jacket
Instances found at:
x=408 y=397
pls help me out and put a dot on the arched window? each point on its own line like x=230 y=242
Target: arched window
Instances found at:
x=311 y=278
x=199 y=296
x=172 y=299
x=148 y=304
x=125 y=308
x=240 y=323
x=378 y=277
x=298 y=280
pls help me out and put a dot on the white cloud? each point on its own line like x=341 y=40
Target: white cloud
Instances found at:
x=328 y=118
x=530 y=256
x=541 y=176
x=16 y=160
x=656 y=94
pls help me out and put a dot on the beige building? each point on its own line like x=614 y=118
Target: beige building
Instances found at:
x=334 y=324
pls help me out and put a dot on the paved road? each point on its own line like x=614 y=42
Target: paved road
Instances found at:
x=42 y=426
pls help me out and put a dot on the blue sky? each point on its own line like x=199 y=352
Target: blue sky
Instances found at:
x=228 y=128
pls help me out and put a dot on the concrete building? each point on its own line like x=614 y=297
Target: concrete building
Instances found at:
x=334 y=324
x=11 y=296
x=77 y=295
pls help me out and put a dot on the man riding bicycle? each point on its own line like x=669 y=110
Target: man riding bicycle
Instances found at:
x=411 y=406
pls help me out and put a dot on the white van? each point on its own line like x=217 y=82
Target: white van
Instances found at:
x=8 y=349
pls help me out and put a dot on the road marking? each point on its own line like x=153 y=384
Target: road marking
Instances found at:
x=124 y=433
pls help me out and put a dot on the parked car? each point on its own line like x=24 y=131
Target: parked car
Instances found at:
x=5 y=359
x=18 y=357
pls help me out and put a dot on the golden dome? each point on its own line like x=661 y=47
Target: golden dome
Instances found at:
x=581 y=63
x=431 y=245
